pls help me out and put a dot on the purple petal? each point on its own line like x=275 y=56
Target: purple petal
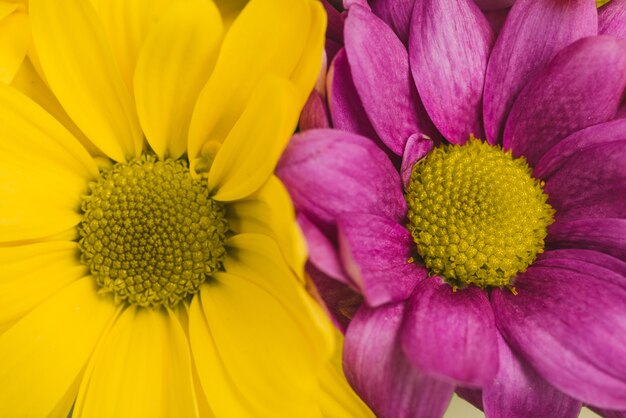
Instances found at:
x=347 y=4
x=568 y=321
x=621 y=112
x=380 y=69
x=471 y=395
x=314 y=114
x=322 y=252
x=528 y=41
x=606 y=235
x=340 y=301
x=578 y=141
x=396 y=14
x=345 y=106
x=588 y=256
x=448 y=48
x=451 y=334
x=591 y=183
x=417 y=147
x=328 y=172
x=612 y=19
x=518 y=392
x=582 y=86
x=489 y=5
x=376 y=252
x=496 y=19
x=378 y=371
x=606 y=413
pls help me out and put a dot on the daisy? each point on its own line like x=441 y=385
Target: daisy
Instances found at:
x=149 y=261
x=495 y=267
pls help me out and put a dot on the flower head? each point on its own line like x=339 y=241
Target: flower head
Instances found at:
x=494 y=266
x=149 y=257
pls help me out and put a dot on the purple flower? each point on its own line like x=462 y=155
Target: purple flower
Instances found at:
x=439 y=256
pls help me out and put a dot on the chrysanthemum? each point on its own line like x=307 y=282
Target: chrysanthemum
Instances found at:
x=148 y=258
x=495 y=265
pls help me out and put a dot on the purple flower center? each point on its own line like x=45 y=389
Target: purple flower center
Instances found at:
x=476 y=214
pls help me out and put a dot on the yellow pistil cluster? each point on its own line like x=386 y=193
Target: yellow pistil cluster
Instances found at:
x=150 y=233
x=476 y=214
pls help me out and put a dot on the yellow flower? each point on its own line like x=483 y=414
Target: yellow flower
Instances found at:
x=149 y=260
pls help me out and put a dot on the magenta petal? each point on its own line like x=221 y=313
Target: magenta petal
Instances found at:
x=587 y=256
x=471 y=395
x=527 y=42
x=328 y=172
x=375 y=252
x=606 y=235
x=591 y=183
x=603 y=133
x=346 y=109
x=314 y=114
x=451 y=334
x=397 y=14
x=518 y=392
x=491 y=5
x=448 y=48
x=582 y=86
x=417 y=147
x=378 y=371
x=568 y=321
x=607 y=413
x=380 y=69
x=341 y=301
x=322 y=253
x=612 y=19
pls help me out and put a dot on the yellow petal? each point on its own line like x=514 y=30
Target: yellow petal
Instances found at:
x=14 y=42
x=230 y=9
x=307 y=72
x=249 y=154
x=258 y=258
x=269 y=211
x=175 y=62
x=141 y=368
x=43 y=171
x=337 y=398
x=264 y=351
x=33 y=273
x=44 y=353
x=79 y=66
x=219 y=390
x=127 y=23
x=268 y=37
x=28 y=81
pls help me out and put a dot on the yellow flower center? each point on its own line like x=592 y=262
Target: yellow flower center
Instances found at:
x=476 y=214
x=150 y=233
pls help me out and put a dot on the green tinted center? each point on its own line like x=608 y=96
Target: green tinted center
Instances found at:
x=476 y=214
x=150 y=233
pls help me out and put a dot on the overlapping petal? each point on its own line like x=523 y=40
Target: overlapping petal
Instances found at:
x=174 y=63
x=451 y=334
x=527 y=43
x=47 y=176
x=85 y=77
x=449 y=45
x=329 y=172
x=380 y=373
x=582 y=86
x=556 y=320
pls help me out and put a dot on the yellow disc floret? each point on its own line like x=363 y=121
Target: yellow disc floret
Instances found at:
x=476 y=214
x=150 y=233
